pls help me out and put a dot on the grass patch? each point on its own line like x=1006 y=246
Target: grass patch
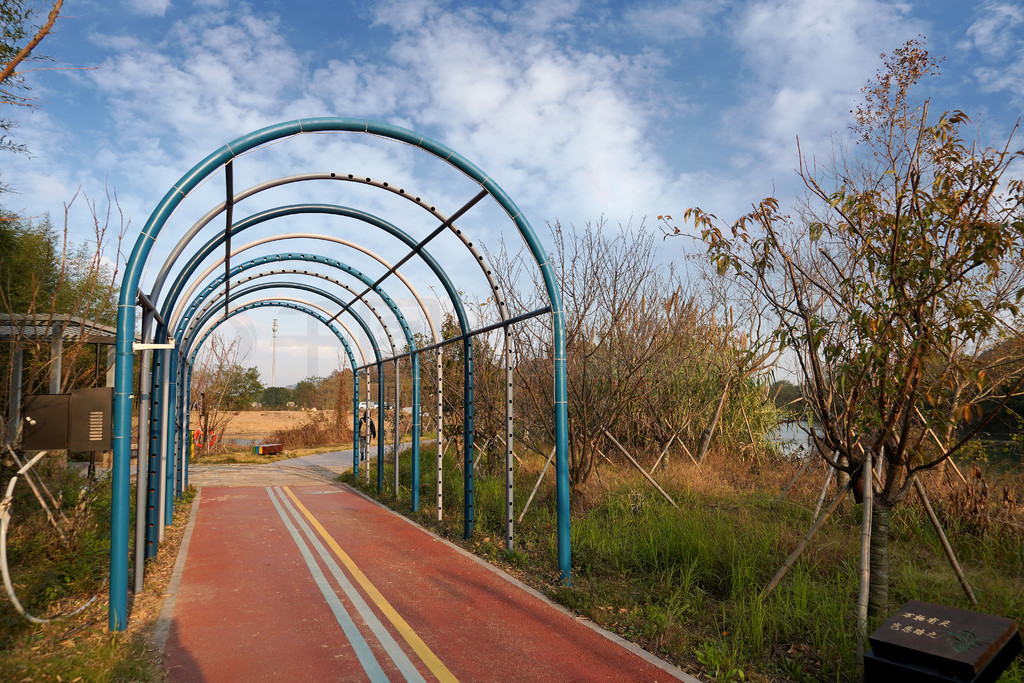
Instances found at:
x=53 y=577
x=685 y=584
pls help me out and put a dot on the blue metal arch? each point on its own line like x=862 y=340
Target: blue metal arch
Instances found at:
x=329 y=209
x=359 y=320
x=298 y=256
x=410 y=339
x=193 y=346
x=208 y=315
x=130 y=290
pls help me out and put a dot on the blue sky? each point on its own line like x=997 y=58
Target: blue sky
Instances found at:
x=579 y=110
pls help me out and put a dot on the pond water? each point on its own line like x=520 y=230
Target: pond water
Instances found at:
x=1002 y=453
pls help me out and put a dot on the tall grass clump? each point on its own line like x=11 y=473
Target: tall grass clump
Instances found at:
x=55 y=576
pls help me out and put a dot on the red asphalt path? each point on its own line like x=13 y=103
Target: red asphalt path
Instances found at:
x=406 y=605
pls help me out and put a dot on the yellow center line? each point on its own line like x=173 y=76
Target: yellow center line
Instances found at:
x=419 y=647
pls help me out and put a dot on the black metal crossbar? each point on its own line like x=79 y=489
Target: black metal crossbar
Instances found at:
x=416 y=250
x=472 y=333
x=229 y=205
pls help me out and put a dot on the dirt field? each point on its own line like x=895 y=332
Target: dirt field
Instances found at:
x=256 y=424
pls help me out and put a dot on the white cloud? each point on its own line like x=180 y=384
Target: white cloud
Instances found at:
x=213 y=78
x=810 y=60
x=997 y=35
x=546 y=15
x=675 y=20
x=996 y=32
x=564 y=129
x=149 y=8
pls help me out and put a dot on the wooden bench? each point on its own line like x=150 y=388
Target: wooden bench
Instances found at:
x=267 y=448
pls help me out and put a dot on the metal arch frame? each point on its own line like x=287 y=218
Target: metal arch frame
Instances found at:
x=165 y=474
x=488 y=274
x=291 y=271
x=204 y=316
x=281 y=211
x=189 y=342
x=189 y=355
x=130 y=292
x=309 y=309
x=439 y=418
x=346 y=212
x=149 y=540
x=207 y=326
x=211 y=307
x=333 y=263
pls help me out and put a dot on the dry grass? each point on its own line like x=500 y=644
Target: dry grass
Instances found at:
x=261 y=423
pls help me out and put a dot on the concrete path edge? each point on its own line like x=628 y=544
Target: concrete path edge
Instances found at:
x=163 y=621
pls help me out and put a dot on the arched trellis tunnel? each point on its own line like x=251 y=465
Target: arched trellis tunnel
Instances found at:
x=166 y=372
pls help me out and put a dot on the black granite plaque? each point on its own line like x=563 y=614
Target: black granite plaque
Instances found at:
x=929 y=642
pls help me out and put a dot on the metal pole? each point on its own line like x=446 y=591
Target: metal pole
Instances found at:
x=509 y=512
x=355 y=424
x=398 y=435
x=56 y=359
x=366 y=448
x=415 y=484
x=157 y=454
x=14 y=407
x=167 y=433
x=273 y=362
x=141 y=472
x=173 y=421
x=186 y=411
x=150 y=456
x=467 y=431
x=440 y=429
x=380 y=427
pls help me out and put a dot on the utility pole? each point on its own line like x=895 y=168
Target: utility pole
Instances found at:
x=273 y=366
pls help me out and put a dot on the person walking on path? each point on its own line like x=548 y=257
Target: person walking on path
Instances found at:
x=367 y=433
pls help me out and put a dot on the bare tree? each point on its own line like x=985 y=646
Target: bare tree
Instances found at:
x=17 y=44
x=212 y=379
x=646 y=360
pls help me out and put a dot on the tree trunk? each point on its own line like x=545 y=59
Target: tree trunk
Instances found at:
x=878 y=597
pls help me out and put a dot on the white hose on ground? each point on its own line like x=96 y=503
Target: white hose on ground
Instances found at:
x=5 y=521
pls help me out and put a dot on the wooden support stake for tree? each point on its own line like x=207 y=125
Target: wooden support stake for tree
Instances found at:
x=606 y=458
x=535 y=487
x=664 y=451
x=807 y=463
x=824 y=489
x=868 y=499
x=750 y=432
x=687 y=451
x=505 y=443
x=709 y=432
x=945 y=541
x=938 y=443
x=642 y=470
x=27 y=472
x=803 y=544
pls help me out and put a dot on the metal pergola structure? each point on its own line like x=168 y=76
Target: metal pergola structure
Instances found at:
x=176 y=323
x=54 y=329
